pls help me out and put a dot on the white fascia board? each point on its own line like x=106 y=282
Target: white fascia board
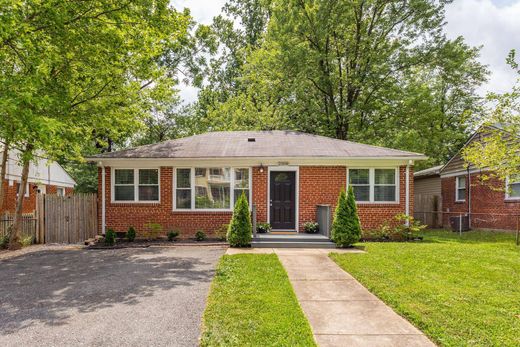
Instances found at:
x=256 y=161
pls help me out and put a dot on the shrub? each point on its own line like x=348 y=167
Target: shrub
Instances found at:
x=4 y=241
x=172 y=235
x=346 y=229
x=407 y=226
x=200 y=235
x=110 y=237
x=27 y=241
x=130 y=234
x=263 y=228
x=221 y=232
x=311 y=227
x=153 y=230
x=240 y=229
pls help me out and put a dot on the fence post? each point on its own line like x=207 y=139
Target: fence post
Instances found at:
x=517 y=231
x=460 y=224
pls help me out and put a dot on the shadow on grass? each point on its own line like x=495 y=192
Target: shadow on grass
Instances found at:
x=50 y=287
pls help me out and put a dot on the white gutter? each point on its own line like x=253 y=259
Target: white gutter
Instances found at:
x=103 y=189
x=407 y=194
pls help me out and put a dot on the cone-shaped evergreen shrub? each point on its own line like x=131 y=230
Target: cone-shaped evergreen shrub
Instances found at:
x=346 y=229
x=240 y=230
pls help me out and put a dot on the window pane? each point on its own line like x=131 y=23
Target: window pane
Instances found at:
x=183 y=199
x=125 y=176
x=461 y=194
x=200 y=171
x=149 y=193
x=514 y=190
x=242 y=178
x=361 y=193
x=384 y=193
x=213 y=191
x=358 y=176
x=124 y=193
x=384 y=176
x=238 y=193
x=462 y=182
x=183 y=178
x=148 y=176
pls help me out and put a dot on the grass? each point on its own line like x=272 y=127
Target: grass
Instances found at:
x=459 y=290
x=252 y=303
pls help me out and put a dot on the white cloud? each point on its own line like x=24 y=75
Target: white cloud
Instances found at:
x=496 y=26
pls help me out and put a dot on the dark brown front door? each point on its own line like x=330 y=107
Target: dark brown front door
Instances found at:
x=283 y=200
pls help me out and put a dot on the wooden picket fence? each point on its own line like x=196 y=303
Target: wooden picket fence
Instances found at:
x=68 y=219
x=427 y=209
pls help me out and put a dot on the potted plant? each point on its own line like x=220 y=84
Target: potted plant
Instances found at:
x=263 y=228
x=311 y=227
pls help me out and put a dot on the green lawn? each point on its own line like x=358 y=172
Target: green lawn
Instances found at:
x=251 y=303
x=461 y=291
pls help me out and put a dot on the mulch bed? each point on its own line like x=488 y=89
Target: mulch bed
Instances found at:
x=156 y=243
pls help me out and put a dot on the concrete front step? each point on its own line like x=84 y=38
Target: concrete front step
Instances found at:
x=292 y=244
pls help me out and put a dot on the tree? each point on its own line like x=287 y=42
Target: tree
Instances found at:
x=346 y=228
x=499 y=151
x=380 y=72
x=240 y=230
x=70 y=71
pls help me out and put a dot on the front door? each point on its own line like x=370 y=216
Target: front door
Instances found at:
x=282 y=202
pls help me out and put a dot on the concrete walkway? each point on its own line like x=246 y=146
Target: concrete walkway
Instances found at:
x=340 y=310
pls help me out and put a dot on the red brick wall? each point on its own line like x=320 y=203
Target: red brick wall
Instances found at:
x=317 y=185
x=489 y=208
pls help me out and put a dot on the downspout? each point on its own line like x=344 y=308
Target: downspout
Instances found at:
x=103 y=190
x=407 y=194
x=469 y=198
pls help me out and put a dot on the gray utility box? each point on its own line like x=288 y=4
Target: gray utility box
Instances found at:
x=458 y=223
x=323 y=219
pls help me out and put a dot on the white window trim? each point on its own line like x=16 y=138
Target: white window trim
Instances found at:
x=296 y=169
x=27 y=193
x=371 y=181
x=192 y=189
x=136 y=186
x=64 y=191
x=507 y=197
x=457 y=188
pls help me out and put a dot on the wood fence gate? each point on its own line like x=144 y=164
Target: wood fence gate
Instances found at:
x=427 y=209
x=68 y=219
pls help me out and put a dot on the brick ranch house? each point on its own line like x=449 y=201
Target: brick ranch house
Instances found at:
x=483 y=204
x=44 y=177
x=191 y=183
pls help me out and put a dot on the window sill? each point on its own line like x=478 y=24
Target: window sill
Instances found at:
x=180 y=210
x=133 y=203
x=460 y=201
x=513 y=200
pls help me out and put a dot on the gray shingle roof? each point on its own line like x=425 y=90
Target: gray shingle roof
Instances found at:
x=432 y=171
x=237 y=144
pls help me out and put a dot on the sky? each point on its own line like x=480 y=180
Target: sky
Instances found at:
x=492 y=24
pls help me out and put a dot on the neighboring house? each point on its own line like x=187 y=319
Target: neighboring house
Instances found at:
x=427 y=196
x=192 y=183
x=43 y=177
x=488 y=204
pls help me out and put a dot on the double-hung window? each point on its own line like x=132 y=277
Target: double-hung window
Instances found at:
x=136 y=185
x=460 y=188
x=210 y=188
x=374 y=185
x=513 y=187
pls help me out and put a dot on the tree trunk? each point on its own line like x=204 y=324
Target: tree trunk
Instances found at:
x=14 y=229
x=3 y=169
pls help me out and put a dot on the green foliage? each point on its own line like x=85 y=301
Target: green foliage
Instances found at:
x=455 y=288
x=221 y=232
x=153 y=230
x=401 y=227
x=240 y=229
x=263 y=227
x=311 y=227
x=252 y=303
x=110 y=237
x=172 y=235
x=130 y=234
x=4 y=241
x=200 y=235
x=26 y=241
x=346 y=228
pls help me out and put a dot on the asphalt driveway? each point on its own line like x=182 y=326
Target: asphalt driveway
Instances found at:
x=124 y=297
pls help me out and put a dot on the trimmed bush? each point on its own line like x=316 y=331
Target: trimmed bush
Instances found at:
x=346 y=229
x=200 y=235
x=240 y=229
x=130 y=234
x=172 y=235
x=311 y=227
x=110 y=237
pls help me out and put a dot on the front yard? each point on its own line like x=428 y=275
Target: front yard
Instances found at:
x=459 y=290
x=252 y=303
